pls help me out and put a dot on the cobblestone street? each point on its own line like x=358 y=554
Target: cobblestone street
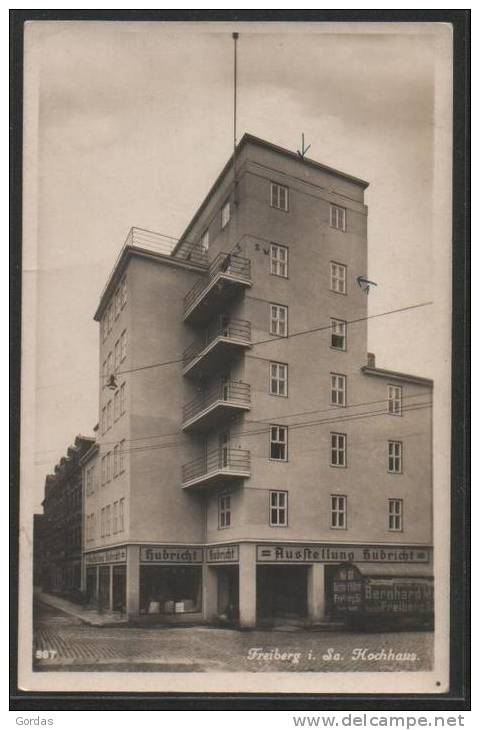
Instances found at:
x=62 y=642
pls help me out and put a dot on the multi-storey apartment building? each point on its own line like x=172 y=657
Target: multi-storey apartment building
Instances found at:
x=248 y=444
x=60 y=540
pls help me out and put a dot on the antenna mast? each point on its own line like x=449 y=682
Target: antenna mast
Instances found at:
x=235 y=39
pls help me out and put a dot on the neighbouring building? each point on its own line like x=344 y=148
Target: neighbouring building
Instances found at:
x=40 y=567
x=61 y=530
x=248 y=445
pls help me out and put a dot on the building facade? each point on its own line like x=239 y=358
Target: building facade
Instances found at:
x=60 y=541
x=248 y=444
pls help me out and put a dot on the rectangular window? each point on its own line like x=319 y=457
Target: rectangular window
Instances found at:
x=395 y=400
x=110 y=317
x=279 y=443
x=204 y=241
x=123 y=290
x=90 y=474
x=338 y=277
x=104 y=470
x=278 y=260
x=118 y=302
x=123 y=345
x=225 y=214
x=338 y=337
x=108 y=520
x=224 y=510
x=278 y=509
x=278 y=196
x=116 y=405
x=278 y=379
x=115 y=518
x=122 y=399
x=395 y=457
x=338 y=217
x=109 y=414
x=116 y=461
x=338 y=449
x=395 y=514
x=121 y=515
x=122 y=456
x=338 y=390
x=338 y=512
x=117 y=355
x=102 y=522
x=278 y=320
x=109 y=364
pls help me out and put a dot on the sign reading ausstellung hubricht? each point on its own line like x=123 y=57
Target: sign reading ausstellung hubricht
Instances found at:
x=336 y=553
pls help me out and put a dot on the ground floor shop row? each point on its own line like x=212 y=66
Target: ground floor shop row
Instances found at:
x=252 y=584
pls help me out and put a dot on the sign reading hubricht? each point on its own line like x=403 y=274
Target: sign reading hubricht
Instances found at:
x=222 y=554
x=185 y=554
x=115 y=555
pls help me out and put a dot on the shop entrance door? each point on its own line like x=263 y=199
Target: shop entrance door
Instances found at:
x=91 y=584
x=104 y=588
x=281 y=592
x=119 y=588
x=227 y=591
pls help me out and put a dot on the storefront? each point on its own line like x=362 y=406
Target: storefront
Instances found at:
x=248 y=584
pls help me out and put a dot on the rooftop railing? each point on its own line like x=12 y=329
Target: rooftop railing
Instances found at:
x=226 y=263
x=229 y=328
x=223 y=459
x=230 y=392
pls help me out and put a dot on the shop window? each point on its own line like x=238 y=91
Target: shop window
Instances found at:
x=170 y=590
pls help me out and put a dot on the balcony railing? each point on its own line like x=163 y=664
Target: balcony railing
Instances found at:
x=237 y=331
x=217 y=465
x=224 y=396
x=231 y=267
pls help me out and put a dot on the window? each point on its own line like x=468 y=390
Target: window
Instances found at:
x=338 y=217
x=278 y=379
x=278 y=196
x=108 y=519
x=338 y=512
x=104 y=373
x=116 y=405
x=338 y=334
x=109 y=414
x=338 y=449
x=118 y=302
x=90 y=485
x=103 y=420
x=116 y=463
x=278 y=260
x=123 y=345
x=395 y=514
x=279 y=443
x=123 y=291
x=395 y=400
x=115 y=518
x=224 y=511
x=395 y=457
x=204 y=241
x=110 y=316
x=122 y=399
x=338 y=277
x=122 y=456
x=278 y=509
x=109 y=364
x=225 y=214
x=121 y=515
x=117 y=355
x=338 y=389
x=102 y=522
x=278 y=320
x=104 y=470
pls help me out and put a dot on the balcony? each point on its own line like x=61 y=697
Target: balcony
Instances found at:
x=218 y=466
x=227 y=276
x=225 y=338
x=215 y=405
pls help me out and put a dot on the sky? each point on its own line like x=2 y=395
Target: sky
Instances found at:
x=128 y=124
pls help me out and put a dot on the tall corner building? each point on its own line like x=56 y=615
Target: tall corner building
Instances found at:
x=248 y=445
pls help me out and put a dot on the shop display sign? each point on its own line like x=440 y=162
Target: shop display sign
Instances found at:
x=171 y=554
x=116 y=555
x=341 y=553
x=222 y=554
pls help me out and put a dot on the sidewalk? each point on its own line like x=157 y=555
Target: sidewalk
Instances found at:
x=85 y=614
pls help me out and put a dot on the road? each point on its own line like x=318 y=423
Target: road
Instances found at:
x=62 y=642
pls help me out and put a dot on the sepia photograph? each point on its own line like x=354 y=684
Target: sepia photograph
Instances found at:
x=236 y=357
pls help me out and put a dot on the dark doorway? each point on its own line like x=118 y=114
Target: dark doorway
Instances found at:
x=282 y=592
x=227 y=592
x=91 y=585
x=104 y=587
x=119 y=587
